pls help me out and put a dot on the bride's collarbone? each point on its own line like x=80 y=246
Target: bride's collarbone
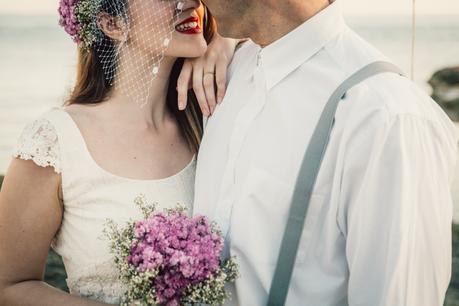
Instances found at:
x=123 y=150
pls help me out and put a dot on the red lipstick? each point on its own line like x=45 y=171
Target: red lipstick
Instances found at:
x=190 y=25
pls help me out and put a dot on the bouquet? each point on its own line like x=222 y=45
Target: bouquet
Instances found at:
x=170 y=259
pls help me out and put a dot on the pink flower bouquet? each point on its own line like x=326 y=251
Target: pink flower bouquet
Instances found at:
x=170 y=259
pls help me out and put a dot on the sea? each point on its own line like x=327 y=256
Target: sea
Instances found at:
x=37 y=63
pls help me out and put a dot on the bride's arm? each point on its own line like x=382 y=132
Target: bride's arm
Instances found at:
x=30 y=215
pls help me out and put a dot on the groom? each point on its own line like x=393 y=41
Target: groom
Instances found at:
x=378 y=228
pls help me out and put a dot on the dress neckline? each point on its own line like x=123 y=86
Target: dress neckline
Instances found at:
x=106 y=172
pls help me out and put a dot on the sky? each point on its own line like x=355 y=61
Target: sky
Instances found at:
x=351 y=7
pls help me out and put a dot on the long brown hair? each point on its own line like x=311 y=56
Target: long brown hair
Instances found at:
x=92 y=87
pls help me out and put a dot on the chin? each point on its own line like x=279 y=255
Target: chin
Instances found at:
x=187 y=46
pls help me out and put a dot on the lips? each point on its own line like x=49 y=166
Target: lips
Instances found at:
x=189 y=26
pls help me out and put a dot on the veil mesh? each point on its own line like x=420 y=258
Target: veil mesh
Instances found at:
x=130 y=65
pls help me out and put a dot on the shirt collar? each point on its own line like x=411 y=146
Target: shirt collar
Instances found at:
x=286 y=54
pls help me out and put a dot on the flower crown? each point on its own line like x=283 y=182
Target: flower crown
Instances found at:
x=78 y=18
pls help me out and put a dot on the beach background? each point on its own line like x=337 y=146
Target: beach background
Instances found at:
x=37 y=63
x=37 y=67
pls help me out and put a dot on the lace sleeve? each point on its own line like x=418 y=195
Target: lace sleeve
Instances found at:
x=39 y=142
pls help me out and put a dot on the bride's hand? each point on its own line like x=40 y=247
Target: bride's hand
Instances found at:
x=204 y=72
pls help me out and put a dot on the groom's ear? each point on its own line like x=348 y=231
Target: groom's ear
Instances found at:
x=114 y=27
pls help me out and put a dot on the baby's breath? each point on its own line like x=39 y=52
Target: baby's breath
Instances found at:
x=170 y=252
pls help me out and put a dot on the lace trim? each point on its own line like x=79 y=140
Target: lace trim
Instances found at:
x=39 y=142
x=98 y=282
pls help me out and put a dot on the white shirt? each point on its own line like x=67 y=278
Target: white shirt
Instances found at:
x=378 y=230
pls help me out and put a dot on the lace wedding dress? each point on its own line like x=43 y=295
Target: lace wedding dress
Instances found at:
x=91 y=195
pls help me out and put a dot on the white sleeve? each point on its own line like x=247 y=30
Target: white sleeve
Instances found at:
x=39 y=142
x=398 y=212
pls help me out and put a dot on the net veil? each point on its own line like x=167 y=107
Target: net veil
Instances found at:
x=132 y=61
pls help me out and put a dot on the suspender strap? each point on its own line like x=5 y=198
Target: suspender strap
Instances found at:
x=306 y=181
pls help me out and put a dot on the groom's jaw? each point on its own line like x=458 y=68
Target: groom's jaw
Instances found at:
x=262 y=21
x=280 y=18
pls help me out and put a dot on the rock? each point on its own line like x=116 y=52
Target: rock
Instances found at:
x=55 y=274
x=445 y=86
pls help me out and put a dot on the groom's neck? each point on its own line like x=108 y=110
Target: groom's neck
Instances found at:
x=271 y=20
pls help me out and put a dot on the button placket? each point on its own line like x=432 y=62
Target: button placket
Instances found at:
x=241 y=127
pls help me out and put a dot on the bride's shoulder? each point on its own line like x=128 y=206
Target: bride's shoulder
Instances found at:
x=82 y=109
x=85 y=114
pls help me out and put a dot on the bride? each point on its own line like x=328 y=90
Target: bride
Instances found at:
x=120 y=134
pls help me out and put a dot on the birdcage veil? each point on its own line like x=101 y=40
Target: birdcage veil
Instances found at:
x=131 y=61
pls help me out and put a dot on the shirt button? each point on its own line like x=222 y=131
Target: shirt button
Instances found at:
x=259 y=59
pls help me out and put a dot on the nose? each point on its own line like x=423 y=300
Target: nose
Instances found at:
x=190 y=4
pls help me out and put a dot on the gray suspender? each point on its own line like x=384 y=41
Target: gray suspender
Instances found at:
x=306 y=180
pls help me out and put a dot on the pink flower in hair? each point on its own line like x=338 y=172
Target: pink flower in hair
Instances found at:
x=68 y=19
